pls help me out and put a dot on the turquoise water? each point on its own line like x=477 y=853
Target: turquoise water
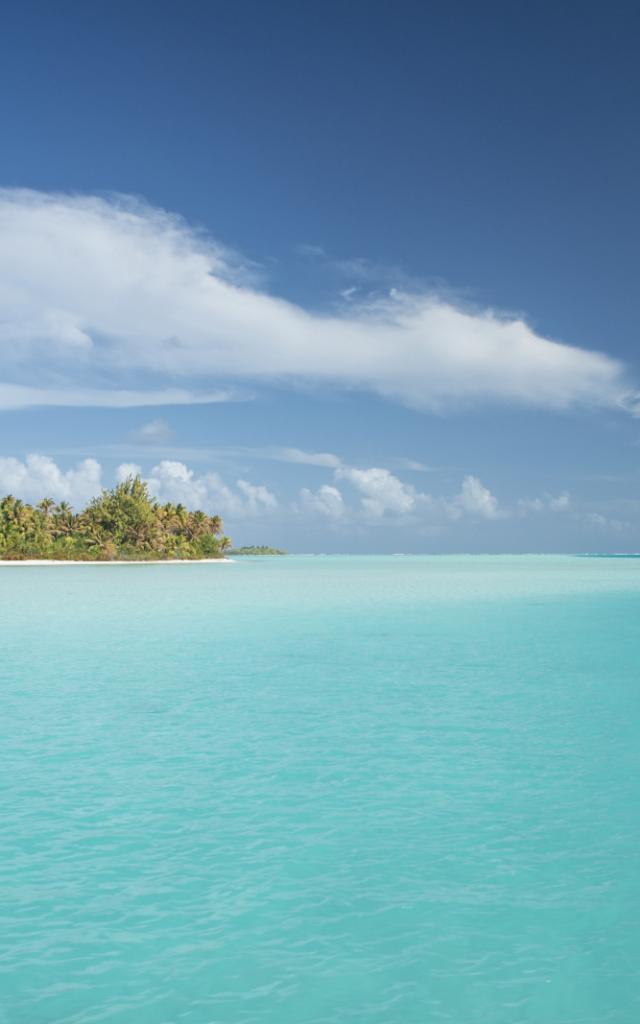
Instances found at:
x=318 y=790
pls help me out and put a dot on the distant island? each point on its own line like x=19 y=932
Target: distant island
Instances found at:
x=123 y=524
x=260 y=549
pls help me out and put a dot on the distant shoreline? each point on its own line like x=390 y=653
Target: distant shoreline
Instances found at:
x=115 y=561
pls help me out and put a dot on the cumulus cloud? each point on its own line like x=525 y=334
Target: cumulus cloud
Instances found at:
x=126 y=470
x=382 y=497
x=548 y=503
x=327 y=501
x=98 y=293
x=381 y=491
x=175 y=482
x=385 y=496
x=40 y=477
x=477 y=500
x=257 y=497
x=597 y=521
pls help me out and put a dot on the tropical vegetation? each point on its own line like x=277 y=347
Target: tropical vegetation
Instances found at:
x=125 y=523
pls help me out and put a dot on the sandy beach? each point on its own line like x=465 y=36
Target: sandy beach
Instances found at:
x=140 y=561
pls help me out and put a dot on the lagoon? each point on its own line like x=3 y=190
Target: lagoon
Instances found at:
x=309 y=790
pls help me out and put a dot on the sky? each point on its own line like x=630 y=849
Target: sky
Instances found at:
x=358 y=277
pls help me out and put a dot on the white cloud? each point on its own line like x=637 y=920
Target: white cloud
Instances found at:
x=597 y=521
x=40 y=477
x=153 y=432
x=526 y=505
x=384 y=495
x=477 y=500
x=326 y=459
x=326 y=501
x=560 y=503
x=257 y=498
x=413 y=465
x=19 y=396
x=382 y=491
x=549 y=503
x=98 y=293
x=175 y=482
x=126 y=470
x=309 y=250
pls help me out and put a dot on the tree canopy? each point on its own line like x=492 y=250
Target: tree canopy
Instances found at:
x=125 y=523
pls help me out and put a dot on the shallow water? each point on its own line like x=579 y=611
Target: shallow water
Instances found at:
x=313 y=790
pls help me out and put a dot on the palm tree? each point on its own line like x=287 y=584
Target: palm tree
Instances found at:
x=21 y=512
x=46 y=505
x=63 y=518
x=181 y=514
x=197 y=525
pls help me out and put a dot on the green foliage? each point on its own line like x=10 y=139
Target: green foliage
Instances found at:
x=122 y=524
x=257 y=549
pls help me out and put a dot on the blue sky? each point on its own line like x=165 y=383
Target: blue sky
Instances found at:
x=359 y=276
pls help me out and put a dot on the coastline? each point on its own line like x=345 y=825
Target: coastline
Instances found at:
x=132 y=561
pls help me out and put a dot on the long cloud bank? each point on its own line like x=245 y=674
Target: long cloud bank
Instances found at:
x=111 y=302
x=380 y=496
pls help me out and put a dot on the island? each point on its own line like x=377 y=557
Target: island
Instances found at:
x=256 y=549
x=124 y=524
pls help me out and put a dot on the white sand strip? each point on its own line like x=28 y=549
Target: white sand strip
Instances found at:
x=133 y=561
